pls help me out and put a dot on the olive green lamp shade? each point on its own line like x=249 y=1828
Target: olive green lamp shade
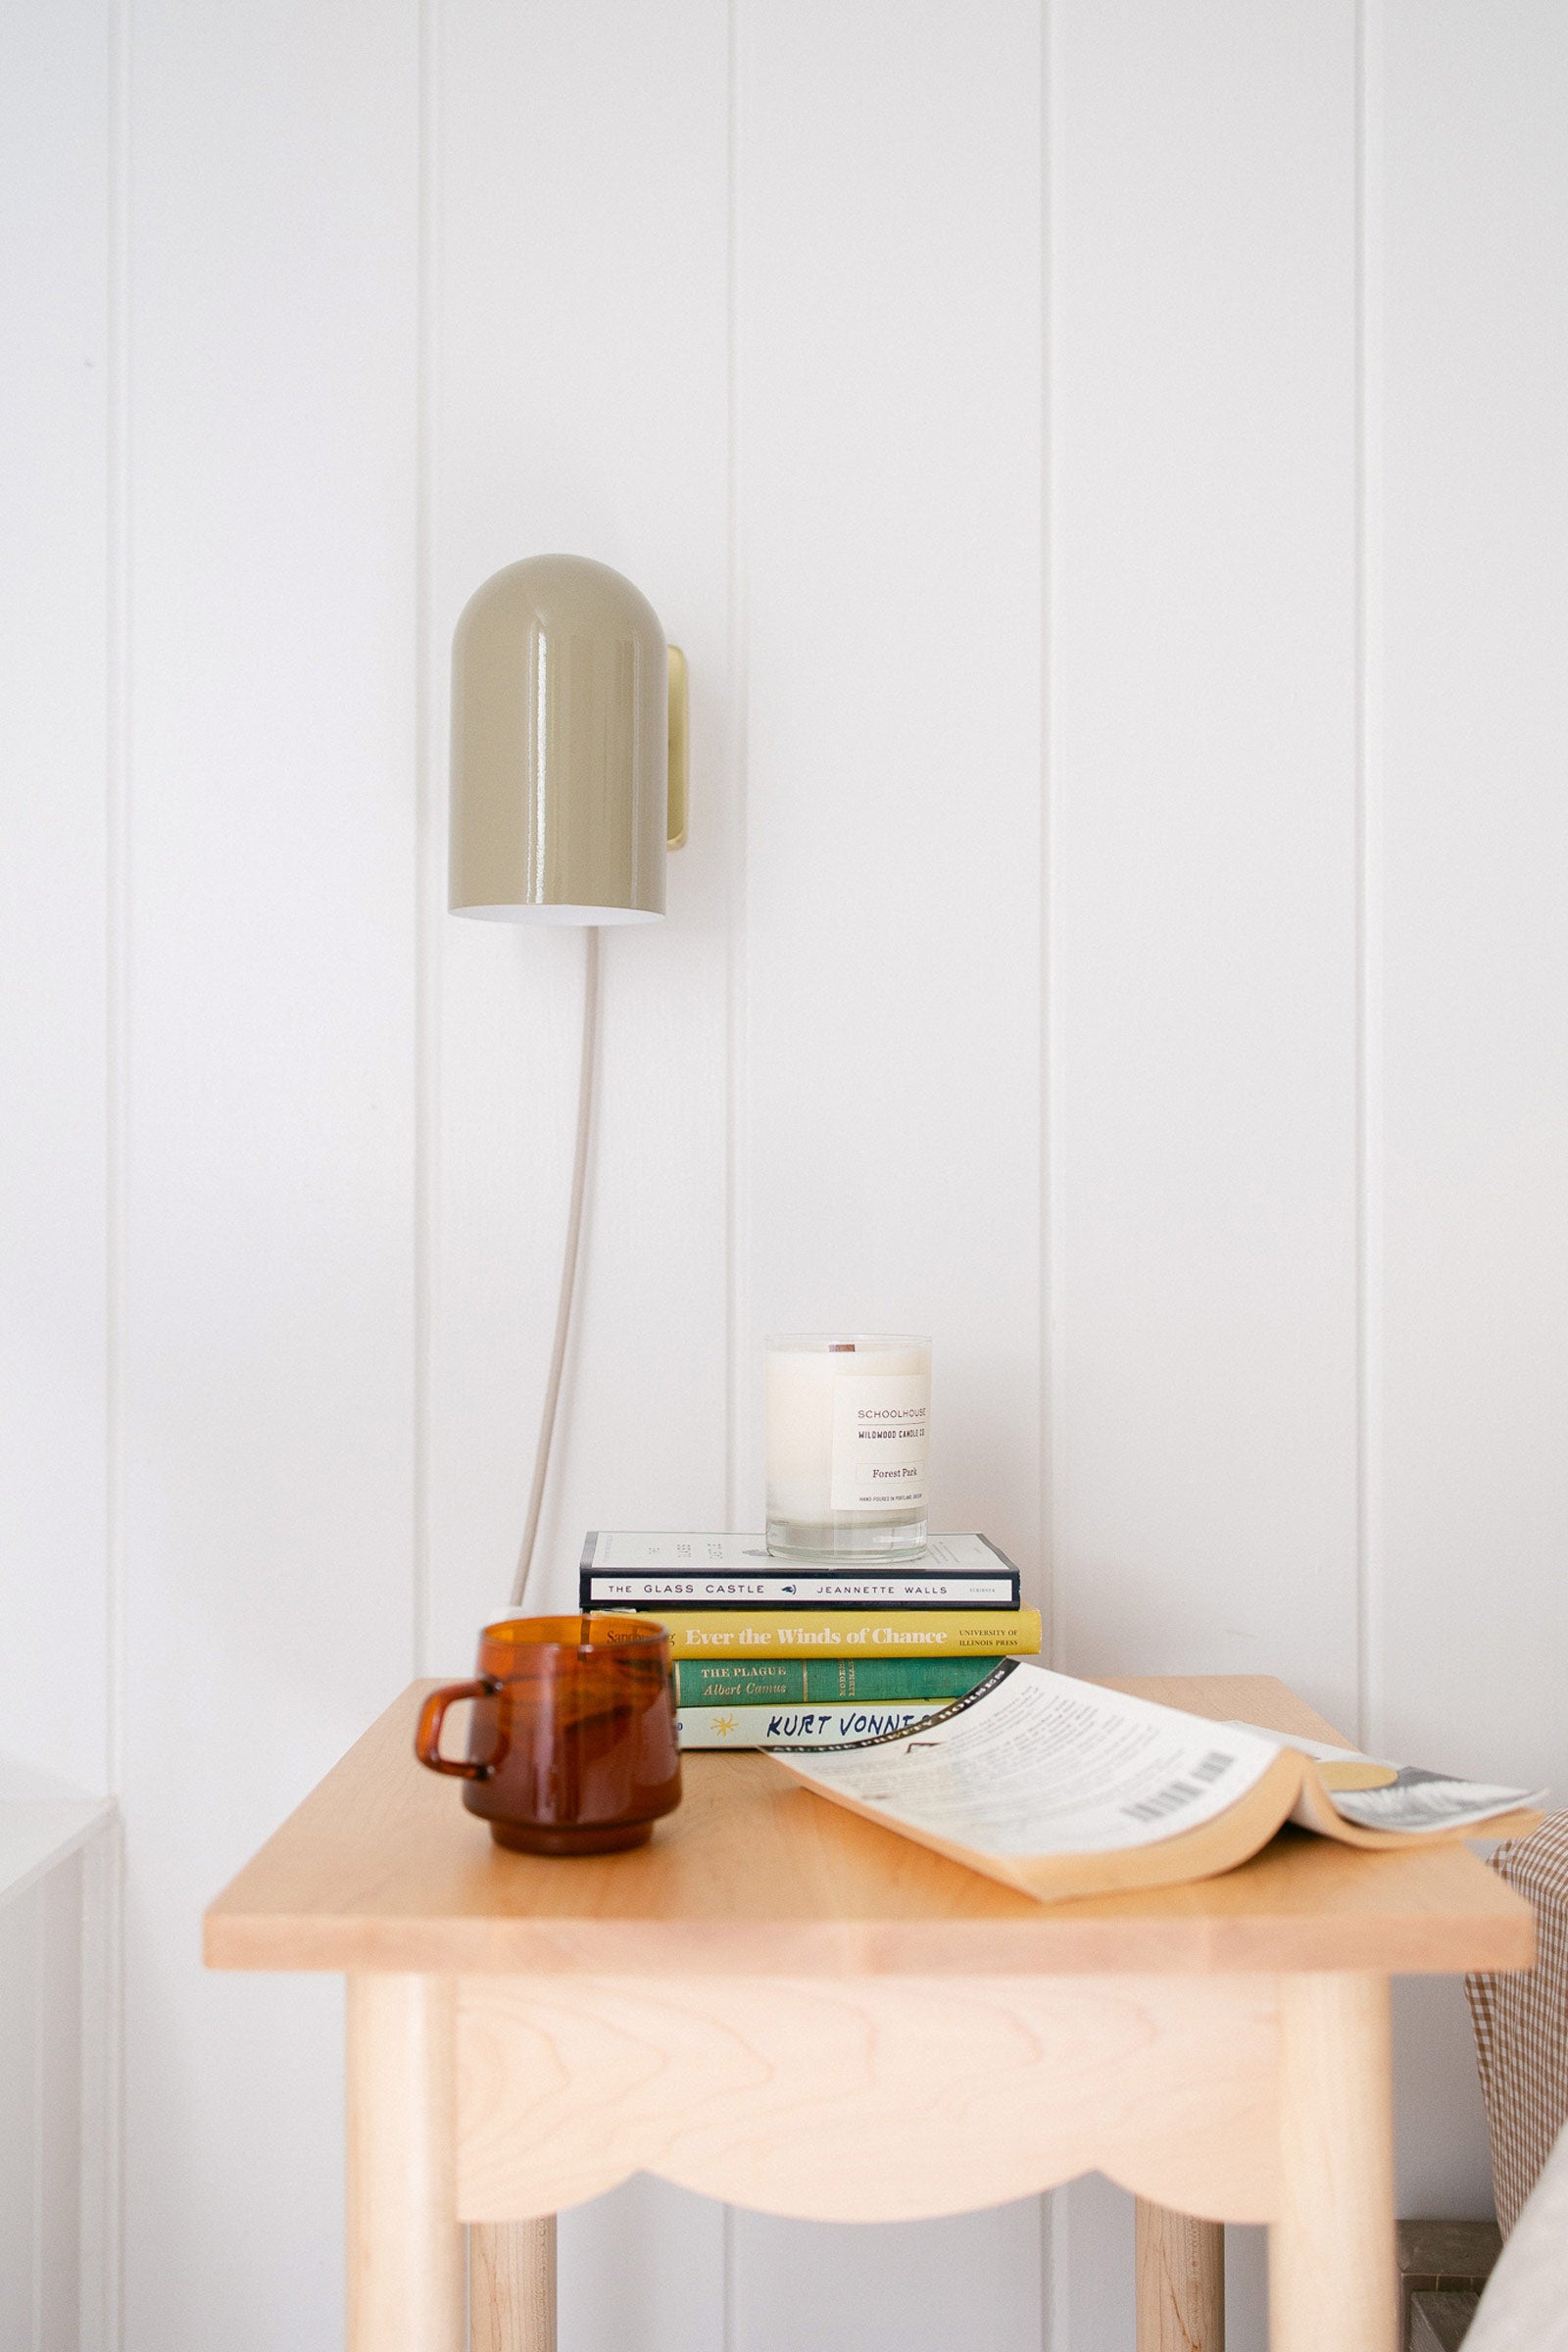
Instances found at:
x=560 y=728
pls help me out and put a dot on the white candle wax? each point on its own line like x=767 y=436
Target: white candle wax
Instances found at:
x=847 y=1426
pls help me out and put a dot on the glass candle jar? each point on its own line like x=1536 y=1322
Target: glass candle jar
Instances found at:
x=848 y=1417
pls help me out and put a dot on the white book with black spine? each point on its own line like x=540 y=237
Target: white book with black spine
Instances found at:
x=712 y=1571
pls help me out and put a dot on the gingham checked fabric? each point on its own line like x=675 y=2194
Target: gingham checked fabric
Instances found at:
x=1521 y=2023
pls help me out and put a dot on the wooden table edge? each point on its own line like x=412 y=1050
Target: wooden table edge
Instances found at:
x=286 y=1944
x=260 y=1922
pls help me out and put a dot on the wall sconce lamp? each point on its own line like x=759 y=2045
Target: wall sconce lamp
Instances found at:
x=568 y=748
x=568 y=786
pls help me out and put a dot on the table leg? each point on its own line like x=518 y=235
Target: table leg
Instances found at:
x=1181 y=2281
x=512 y=2286
x=1331 y=2251
x=404 y=2247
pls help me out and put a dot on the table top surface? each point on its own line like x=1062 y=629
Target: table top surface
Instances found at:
x=382 y=1868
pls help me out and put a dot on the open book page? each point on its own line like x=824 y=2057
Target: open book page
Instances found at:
x=1036 y=1763
x=1417 y=1804
x=1402 y=1799
x=1337 y=1767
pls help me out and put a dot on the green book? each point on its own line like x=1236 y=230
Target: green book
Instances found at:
x=770 y=1681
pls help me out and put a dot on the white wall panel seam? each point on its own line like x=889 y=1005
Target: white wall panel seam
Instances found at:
x=732 y=786
x=737 y=1222
x=1050 y=1189
x=430 y=809
x=116 y=787
x=1052 y=2208
x=111 y=1980
x=1369 y=902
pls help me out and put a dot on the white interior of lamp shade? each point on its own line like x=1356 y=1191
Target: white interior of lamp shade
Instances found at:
x=562 y=914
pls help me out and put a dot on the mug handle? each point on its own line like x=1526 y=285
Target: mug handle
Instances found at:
x=427 y=1738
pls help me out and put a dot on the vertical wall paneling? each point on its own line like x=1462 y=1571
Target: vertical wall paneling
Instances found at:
x=579 y=397
x=55 y=176
x=1204 y=845
x=1470 y=1619
x=1474 y=866
x=751 y=298
x=888 y=324
x=272 y=244
x=1203 y=939
x=580 y=403
x=54 y=294
x=888 y=293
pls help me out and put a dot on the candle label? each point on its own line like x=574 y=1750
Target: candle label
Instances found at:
x=879 y=1434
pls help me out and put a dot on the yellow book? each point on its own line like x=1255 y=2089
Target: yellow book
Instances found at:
x=851 y=1632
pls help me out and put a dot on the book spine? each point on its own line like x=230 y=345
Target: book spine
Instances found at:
x=849 y=1633
x=765 y=1682
x=795 y=1727
x=645 y=1589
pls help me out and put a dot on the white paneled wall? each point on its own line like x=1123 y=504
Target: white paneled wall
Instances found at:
x=577 y=301
x=888 y=337
x=1202 y=964
x=577 y=304
x=888 y=340
x=55 y=927
x=1203 y=1098
x=1105 y=466
x=265 y=1161
x=1469 y=767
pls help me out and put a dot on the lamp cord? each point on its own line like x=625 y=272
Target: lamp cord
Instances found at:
x=568 y=1264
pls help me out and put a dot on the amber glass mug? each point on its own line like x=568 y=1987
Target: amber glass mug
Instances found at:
x=571 y=1744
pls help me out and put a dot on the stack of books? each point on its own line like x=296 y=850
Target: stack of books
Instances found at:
x=771 y=1654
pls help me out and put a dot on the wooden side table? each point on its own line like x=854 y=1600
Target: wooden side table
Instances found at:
x=784 y=2007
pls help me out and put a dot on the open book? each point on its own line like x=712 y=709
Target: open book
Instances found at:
x=1062 y=1788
